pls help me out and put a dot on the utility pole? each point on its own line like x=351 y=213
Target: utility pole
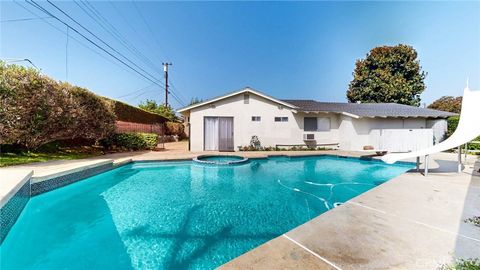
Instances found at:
x=165 y=69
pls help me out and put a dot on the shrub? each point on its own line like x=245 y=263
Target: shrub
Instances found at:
x=127 y=113
x=132 y=141
x=93 y=116
x=35 y=110
x=175 y=128
x=452 y=126
x=462 y=264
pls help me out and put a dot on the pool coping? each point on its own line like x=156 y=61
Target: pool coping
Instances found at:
x=303 y=250
x=209 y=162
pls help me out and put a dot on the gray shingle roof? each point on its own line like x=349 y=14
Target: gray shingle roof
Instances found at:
x=368 y=109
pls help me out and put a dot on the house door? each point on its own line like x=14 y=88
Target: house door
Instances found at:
x=225 y=134
x=218 y=134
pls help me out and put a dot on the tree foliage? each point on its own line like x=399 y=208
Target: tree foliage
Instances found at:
x=447 y=104
x=161 y=109
x=452 y=125
x=195 y=100
x=175 y=128
x=35 y=109
x=388 y=74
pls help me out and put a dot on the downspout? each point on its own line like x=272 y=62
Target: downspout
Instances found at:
x=189 y=135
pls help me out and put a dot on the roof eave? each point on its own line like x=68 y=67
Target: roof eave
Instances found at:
x=244 y=90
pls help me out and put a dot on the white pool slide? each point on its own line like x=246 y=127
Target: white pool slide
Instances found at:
x=468 y=129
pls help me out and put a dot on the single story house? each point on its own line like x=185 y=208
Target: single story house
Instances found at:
x=228 y=122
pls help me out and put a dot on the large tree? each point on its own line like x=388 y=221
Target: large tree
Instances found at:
x=388 y=74
x=447 y=104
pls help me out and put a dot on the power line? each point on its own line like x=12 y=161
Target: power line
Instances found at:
x=78 y=41
x=66 y=56
x=139 y=95
x=147 y=24
x=130 y=25
x=181 y=96
x=178 y=99
x=34 y=4
x=96 y=16
x=24 y=19
x=173 y=94
x=136 y=91
x=145 y=74
x=101 y=40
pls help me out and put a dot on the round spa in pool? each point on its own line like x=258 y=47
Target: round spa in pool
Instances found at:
x=220 y=159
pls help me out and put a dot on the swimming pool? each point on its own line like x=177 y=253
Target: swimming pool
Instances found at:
x=181 y=215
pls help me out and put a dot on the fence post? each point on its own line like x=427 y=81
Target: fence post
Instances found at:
x=426 y=166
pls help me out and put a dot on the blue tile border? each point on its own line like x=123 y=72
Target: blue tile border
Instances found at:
x=60 y=181
x=10 y=212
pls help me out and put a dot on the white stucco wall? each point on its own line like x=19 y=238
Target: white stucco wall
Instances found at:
x=269 y=132
x=355 y=133
x=439 y=127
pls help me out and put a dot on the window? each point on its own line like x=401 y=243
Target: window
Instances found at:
x=246 y=98
x=310 y=124
x=256 y=118
x=323 y=124
x=281 y=119
x=316 y=124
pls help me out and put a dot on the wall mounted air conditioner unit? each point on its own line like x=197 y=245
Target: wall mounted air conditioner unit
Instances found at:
x=309 y=137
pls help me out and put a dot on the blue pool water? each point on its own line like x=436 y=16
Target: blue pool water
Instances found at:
x=181 y=215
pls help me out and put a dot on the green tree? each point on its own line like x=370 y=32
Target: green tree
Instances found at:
x=195 y=100
x=161 y=109
x=447 y=104
x=388 y=74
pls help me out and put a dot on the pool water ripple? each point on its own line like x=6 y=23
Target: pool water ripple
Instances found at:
x=181 y=215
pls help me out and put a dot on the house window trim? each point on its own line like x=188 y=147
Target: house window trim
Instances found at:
x=256 y=118
x=280 y=119
x=319 y=127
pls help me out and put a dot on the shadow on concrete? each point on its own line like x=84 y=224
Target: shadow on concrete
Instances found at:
x=465 y=247
x=437 y=166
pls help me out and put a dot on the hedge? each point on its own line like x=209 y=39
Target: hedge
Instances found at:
x=132 y=141
x=452 y=126
x=127 y=113
x=35 y=109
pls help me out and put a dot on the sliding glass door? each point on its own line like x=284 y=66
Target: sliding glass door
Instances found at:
x=218 y=134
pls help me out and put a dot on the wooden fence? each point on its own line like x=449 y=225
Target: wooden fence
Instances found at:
x=123 y=127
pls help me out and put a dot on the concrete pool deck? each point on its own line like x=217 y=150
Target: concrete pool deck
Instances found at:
x=410 y=222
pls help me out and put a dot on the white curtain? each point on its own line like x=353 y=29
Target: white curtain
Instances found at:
x=226 y=134
x=211 y=133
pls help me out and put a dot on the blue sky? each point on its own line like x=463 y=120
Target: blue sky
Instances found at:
x=286 y=49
